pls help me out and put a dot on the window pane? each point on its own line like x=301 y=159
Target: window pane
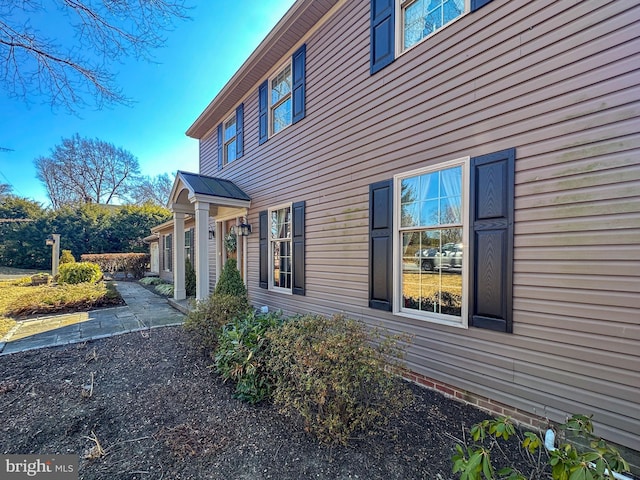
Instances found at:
x=230 y=151
x=423 y=17
x=281 y=85
x=281 y=261
x=281 y=223
x=281 y=115
x=230 y=129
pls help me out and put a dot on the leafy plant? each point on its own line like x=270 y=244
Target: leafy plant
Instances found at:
x=336 y=375
x=241 y=354
x=79 y=272
x=165 y=289
x=205 y=321
x=230 y=281
x=189 y=278
x=152 y=281
x=66 y=257
x=566 y=462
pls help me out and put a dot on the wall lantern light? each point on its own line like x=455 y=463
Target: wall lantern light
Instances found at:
x=212 y=233
x=50 y=241
x=243 y=230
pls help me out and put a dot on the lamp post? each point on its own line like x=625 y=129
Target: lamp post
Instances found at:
x=54 y=241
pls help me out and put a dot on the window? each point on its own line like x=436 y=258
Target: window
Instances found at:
x=421 y=18
x=280 y=248
x=431 y=231
x=280 y=100
x=168 y=253
x=229 y=133
x=188 y=245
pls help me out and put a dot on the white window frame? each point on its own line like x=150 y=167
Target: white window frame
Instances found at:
x=400 y=6
x=226 y=142
x=167 y=253
x=271 y=106
x=272 y=287
x=398 y=307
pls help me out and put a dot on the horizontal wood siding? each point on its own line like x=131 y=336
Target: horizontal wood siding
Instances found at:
x=559 y=81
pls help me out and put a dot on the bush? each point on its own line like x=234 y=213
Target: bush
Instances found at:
x=79 y=272
x=206 y=320
x=165 y=289
x=152 y=281
x=568 y=461
x=189 y=278
x=135 y=264
x=230 y=281
x=330 y=371
x=241 y=354
x=66 y=257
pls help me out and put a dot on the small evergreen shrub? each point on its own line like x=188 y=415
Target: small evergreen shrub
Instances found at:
x=336 y=375
x=230 y=281
x=152 y=281
x=165 y=289
x=189 y=278
x=241 y=354
x=206 y=320
x=66 y=257
x=79 y=272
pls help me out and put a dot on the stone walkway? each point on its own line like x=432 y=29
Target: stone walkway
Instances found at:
x=144 y=311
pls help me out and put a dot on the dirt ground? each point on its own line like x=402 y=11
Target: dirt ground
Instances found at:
x=147 y=406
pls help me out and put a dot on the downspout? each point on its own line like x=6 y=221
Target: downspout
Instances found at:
x=549 y=443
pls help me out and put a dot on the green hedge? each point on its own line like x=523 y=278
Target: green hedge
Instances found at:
x=79 y=272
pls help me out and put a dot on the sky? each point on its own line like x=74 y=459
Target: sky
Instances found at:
x=201 y=54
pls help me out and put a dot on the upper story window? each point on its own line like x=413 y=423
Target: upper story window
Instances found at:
x=229 y=132
x=421 y=18
x=280 y=100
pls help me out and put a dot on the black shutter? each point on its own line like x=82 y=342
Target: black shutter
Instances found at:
x=382 y=34
x=491 y=240
x=477 y=4
x=240 y=130
x=220 y=147
x=263 y=253
x=298 y=78
x=298 y=247
x=380 y=245
x=263 y=113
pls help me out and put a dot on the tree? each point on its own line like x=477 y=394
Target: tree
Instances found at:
x=5 y=189
x=81 y=171
x=104 y=33
x=154 y=190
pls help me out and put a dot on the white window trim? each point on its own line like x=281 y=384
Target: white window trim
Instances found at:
x=225 y=160
x=398 y=309
x=399 y=26
x=270 y=106
x=167 y=256
x=272 y=287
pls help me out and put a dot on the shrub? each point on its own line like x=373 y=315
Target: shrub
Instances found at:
x=332 y=373
x=566 y=462
x=206 y=320
x=79 y=272
x=152 y=281
x=164 y=289
x=135 y=264
x=189 y=278
x=230 y=281
x=66 y=257
x=241 y=354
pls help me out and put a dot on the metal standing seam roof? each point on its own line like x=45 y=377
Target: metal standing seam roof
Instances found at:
x=215 y=187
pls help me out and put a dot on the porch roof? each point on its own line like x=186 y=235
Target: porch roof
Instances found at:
x=220 y=194
x=212 y=186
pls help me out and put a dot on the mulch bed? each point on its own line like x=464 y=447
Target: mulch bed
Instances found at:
x=148 y=406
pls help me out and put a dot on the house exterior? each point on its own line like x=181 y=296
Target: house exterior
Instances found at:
x=161 y=248
x=467 y=172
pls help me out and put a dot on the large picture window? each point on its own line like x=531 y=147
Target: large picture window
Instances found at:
x=280 y=248
x=430 y=225
x=421 y=18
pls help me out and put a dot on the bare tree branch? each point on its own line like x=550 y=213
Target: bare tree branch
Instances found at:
x=106 y=31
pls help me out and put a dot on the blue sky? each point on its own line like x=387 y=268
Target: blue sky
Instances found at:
x=199 y=58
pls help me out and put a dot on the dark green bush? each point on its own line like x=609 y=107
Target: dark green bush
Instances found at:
x=79 y=272
x=206 y=320
x=336 y=375
x=189 y=278
x=66 y=257
x=230 y=281
x=241 y=354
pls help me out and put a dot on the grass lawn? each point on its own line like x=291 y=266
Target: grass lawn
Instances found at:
x=18 y=298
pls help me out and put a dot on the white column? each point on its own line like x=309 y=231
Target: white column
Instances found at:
x=219 y=248
x=179 y=292
x=202 y=250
